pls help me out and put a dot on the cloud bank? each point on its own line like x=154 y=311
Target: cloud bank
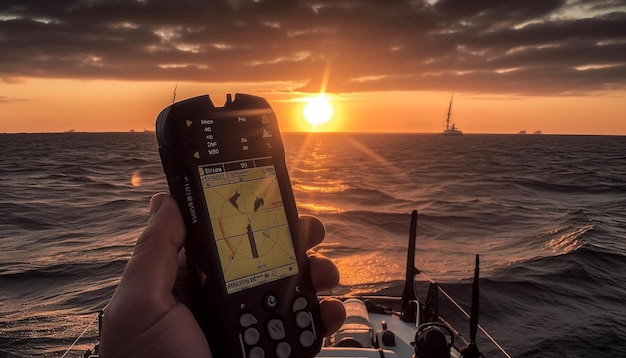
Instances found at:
x=489 y=46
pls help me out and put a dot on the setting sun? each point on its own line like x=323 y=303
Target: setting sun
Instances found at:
x=318 y=110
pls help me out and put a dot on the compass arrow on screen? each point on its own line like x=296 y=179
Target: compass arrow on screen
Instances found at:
x=253 y=248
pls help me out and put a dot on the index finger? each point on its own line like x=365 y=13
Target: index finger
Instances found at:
x=312 y=230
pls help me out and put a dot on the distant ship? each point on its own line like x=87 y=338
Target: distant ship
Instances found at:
x=524 y=132
x=450 y=129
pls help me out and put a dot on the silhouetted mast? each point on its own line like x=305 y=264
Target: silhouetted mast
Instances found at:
x=449 y=112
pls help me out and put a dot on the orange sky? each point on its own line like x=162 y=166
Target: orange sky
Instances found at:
x=96 y=105
x=557 y=67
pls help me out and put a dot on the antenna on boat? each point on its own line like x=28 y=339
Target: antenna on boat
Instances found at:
x=409 y=312
x=471 y=351
x=174 y=96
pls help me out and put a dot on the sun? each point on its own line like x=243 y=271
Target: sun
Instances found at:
x=318 y=110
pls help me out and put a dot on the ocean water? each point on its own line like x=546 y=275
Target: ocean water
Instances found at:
x=546 y=213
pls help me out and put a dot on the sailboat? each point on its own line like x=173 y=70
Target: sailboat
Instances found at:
x=451 y=129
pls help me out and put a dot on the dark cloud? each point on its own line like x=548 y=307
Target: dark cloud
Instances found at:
x=510 y=46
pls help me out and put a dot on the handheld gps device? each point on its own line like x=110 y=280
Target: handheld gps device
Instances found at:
x=225 y=166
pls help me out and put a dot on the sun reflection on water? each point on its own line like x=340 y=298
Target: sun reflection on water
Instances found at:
x=318 y=208
x=566 y=240
x=331 y=186
x=360 y=273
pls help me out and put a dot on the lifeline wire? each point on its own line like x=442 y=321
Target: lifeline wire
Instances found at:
x=468 y=316
x=82 y=334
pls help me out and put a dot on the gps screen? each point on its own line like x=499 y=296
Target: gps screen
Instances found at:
x=249 y=222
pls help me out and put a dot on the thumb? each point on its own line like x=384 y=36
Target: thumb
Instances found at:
x=153 y=266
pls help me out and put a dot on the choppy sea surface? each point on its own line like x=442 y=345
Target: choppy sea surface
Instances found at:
x=546 y=213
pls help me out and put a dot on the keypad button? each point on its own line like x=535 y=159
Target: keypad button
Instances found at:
x=256 y=352
x=251 y=336
x=270 y=302
x=307 y=339
x=276 y=329
x=303 y=319
x=246 y=320
x=283 y=350
x=299 y=304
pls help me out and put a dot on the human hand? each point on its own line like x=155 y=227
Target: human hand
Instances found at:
x=147 y=317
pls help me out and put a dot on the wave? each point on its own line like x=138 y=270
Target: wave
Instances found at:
x=577 y=299
x=585 y=277
x=586 y=268
x=576 y=187
x=18 y=273
x=395 y=223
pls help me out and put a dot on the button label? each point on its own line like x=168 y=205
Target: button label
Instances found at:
x=271 y=302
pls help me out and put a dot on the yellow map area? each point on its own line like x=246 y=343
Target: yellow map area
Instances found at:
x=250 y=227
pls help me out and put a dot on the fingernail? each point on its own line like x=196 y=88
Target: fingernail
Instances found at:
x=155 y=203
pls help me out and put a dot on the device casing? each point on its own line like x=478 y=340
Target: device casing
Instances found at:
x=185 y=143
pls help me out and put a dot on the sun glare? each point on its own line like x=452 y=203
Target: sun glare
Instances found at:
x=318 y=110
x=135 y=179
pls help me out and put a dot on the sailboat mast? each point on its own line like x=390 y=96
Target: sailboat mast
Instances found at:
x=449 y=111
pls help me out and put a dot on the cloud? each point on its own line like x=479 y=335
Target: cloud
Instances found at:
x=495 y=46
x=5 y=99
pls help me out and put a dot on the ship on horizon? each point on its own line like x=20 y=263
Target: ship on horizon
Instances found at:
x=451 y=129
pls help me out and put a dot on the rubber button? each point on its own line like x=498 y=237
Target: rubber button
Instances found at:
x=283 y=350
x=256 y=352
x=303 y=319
x=307 y=339
x=276 y=329
x=299 y=304
x=251 y=336
x=270 y=302
x=246 y=320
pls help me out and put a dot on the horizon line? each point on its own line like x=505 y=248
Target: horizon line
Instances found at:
x=131 y=131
